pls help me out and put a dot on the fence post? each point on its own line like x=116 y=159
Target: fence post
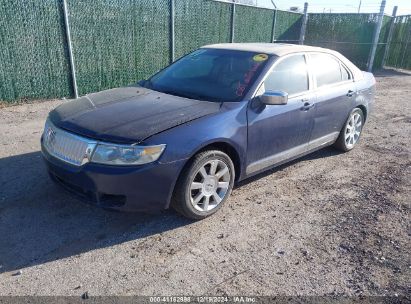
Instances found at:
x=172 y=31
x=391 y=30
x=274 y=22
x=232 y=22
x=70 y=49
x=376 y=36
x=304 y=24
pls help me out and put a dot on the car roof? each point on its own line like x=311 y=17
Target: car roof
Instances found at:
x=282 y=49
x=278 y=49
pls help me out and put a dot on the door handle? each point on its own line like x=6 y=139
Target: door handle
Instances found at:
x=307 y=106
x=350 y=93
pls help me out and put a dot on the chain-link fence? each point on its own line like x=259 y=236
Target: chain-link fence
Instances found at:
x=117 y=42
x=199 y=22
x=287 y=26
x=350 y=34
x=33 y=52
x=399 y=54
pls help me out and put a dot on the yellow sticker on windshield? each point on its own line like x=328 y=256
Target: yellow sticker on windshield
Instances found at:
x=260 y=57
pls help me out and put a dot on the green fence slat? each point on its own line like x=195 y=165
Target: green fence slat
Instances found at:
x=349 y=34
x=399 y=55
x=287 y=27
x=118 y=42
x=33 y=59
x=200 y=22
x=253 y=24
x=379 y=54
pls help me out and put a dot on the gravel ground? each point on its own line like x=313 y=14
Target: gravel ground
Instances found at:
x=327 y=224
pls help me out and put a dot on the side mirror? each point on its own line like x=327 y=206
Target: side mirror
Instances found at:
x=274 y=98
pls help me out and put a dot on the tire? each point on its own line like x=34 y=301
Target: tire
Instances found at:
x=351 y=132
x=204 y=185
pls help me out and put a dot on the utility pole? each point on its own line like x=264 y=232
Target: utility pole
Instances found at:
x=232 y=22
x=304 y=23
x=391 y=30
x=172 y=31
x=376 y=36
x=70 y=49
x=274 y=23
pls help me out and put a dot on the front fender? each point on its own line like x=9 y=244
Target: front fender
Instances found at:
x=228 y=126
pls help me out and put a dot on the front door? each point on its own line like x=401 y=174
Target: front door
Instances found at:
x=279 y=132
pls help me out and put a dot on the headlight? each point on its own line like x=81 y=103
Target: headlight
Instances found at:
x=112 y=154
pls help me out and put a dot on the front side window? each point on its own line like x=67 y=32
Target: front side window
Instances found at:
x=210 y=74
x=328 y=70
x=289 y=75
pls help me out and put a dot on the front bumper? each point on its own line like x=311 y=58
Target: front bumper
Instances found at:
x=128 y=188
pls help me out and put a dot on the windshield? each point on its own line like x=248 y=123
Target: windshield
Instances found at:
x=210 y=74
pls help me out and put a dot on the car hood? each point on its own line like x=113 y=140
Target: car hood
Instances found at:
x=129 y=114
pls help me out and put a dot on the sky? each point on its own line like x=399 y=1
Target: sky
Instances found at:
x=342 y=6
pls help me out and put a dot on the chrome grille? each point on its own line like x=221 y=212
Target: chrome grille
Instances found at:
x=66 y=146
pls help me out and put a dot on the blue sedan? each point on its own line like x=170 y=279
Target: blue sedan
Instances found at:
x=218 y=115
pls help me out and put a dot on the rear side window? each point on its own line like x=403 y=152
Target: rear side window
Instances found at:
x=328 y=70
x=290 y=76
x=345 y=74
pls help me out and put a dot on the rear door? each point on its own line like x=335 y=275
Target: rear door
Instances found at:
x=335 y=93
x=279 y=132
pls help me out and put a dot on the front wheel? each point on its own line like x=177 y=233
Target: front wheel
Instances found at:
x=204 y=185
x=351 y=132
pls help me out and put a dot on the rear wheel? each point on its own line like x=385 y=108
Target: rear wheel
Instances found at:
x=351 y=132
x=204 y=185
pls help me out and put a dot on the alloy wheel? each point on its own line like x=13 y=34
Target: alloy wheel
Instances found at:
x=210 y=185
x=353 y=130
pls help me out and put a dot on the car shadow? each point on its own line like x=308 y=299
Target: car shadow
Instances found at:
x=40 y=222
